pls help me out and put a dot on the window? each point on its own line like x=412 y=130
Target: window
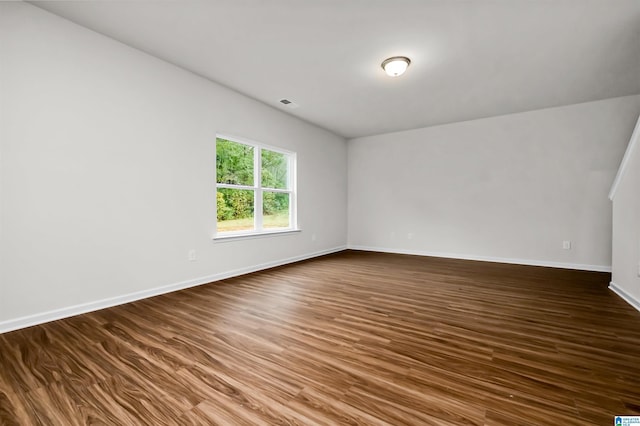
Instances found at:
x=255 y=188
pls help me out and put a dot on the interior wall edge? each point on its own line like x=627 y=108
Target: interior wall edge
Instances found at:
x=514 y=261
x=635 y=303
x=626 y=159
x=70 y=311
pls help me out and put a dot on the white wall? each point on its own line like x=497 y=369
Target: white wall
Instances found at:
x=108 y=169
x=625 y=278
x=508 y=188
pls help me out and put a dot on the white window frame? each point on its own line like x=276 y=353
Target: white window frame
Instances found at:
x=258 y=191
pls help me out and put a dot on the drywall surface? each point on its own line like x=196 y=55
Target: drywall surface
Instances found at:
x=509 y=188
x=626 y=231
x=108 y=170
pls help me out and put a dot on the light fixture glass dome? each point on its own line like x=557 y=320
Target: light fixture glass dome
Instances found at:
x=396 y=65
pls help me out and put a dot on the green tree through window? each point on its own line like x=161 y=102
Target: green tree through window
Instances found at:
x=254 y=188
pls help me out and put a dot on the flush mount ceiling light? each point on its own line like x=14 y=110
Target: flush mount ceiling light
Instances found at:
x=396 y=65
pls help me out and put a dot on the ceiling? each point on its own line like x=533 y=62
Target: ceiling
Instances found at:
x=470 y=59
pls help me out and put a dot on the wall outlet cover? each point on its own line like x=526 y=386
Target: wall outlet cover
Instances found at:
x=192 y=256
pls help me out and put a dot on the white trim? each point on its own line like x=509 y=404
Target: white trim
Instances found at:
x=228 y=236
x=69 y=311
x=293 y=187
x=258 y=210
x=259 y=190
x=233 y=186
x=528 y=262
x=624 y=295
x=251 y=142
x=625 y=160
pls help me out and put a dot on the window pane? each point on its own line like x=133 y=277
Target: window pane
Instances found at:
x=234 y=163
x=274 y=170
x=275 y=209
x=235 y=209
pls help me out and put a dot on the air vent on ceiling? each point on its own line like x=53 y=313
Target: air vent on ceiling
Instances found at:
x=288 y=103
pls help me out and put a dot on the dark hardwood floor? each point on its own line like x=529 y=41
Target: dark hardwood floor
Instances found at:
x=350 y=339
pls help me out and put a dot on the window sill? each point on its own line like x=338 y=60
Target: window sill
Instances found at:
x=235 y=237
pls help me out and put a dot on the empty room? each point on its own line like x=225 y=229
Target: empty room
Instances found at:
x=320 y=212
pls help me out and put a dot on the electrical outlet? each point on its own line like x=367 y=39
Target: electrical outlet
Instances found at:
x=192 y=256
x=410 y=236
x=566 y=245
x=313 y=237
x=639 y=269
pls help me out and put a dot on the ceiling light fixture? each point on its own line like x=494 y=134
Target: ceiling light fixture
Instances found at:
x=396 y=65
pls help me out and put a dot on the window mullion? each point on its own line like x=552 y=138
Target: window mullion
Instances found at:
x=234 y=186
x=276 y=190
x=291 y=186
x=257 y=175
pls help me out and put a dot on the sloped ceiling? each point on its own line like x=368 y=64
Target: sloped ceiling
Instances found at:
x=470 y=59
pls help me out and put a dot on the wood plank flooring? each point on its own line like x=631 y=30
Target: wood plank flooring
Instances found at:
x=354 y=338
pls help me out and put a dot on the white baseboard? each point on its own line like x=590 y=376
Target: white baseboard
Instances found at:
x=40 y=318
x=624 y=295
x=528 y=262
